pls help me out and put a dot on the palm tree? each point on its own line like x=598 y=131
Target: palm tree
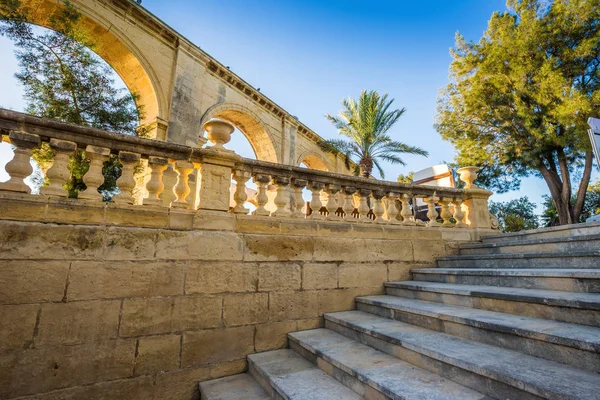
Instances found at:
x=366 y=123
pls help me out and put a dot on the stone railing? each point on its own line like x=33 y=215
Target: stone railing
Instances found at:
x=191 y=180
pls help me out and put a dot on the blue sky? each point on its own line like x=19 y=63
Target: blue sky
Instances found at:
x=307 y=55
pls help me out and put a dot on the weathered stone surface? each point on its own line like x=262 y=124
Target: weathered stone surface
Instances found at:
x=221 y=277
x=78 y=322
x=228 y=368
x=336 y=300
x=277 y=248
x=16 y=328
x=320 y=276
x=48 y=368
x=362 y=275
x=428 y=250
x=400 y=271
x=157 y=353
x=394 y=250
x=170 y=314
x=27 y=240
x=237 y=387
x=129 y=244
x=217 y=345
x=107 y=280
x=339 y=249
x=182 y=384
x=32 y=281
x=245 y=309
x=198 y=245
x=313 y=323
x=273 y=336
x=293 y=305
x=279 y=276
x=127 y=389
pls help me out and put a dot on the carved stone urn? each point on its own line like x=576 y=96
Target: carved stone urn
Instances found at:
x=468 y=176
x=218 y=132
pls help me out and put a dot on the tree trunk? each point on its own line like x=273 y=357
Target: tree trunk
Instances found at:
x=556 y=191
x=366 y=167
x=583 y=186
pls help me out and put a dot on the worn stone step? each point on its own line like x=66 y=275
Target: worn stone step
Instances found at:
x=575 y=260
x=544 y=233
x=577 y=308
x=497 y=372
x=569 y=280
x=540 y=245
x=235 y=387
x=372 y=373
x=572 y=344
x=284 y=374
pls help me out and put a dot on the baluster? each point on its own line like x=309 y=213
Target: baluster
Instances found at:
x=93 y=179
x=407 y=214
x=261 y=195
x=126 y=182
x=299 y=186
x=348 y=206
x=315 y=200
x=282 y=198
x=459 y=215
x=378 y=209
x=59 y=173
x=446 y=214
x=193 y=183
x=240 y=177
x=182 y=189
x=363 y=205
x=155 y=185
x=391 y=210
x=332 y=205
x=432 y=213
x=169 y=179
x=19 y=167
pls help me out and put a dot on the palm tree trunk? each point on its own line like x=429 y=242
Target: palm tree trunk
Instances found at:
x=366 y=167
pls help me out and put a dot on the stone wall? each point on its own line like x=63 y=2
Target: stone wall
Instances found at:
x=107 y=312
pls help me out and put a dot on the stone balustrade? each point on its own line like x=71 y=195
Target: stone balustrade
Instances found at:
x=194 y=179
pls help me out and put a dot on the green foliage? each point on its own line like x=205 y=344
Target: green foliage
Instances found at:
x=515 y=215
x=519 y=98
x=591 y=206
x=64 y=80
x=366 y=122
x=406 y=178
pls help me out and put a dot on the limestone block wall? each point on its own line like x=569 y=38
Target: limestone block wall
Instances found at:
x=108 y=312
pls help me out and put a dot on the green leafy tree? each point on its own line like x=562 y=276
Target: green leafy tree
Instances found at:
x=591 y=206
x=406 y=178
x=64 y=79
x=515 y=215
x=519 y=98
x=366 y=122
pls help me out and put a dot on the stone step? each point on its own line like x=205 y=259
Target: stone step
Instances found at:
x=235 y=387
x=284 y=374
x=497 y=372
x=543 y=245
x=544 y=233
x=372 y=373
x=572 y=344
x=572 y=260
x=578 y=308
x=569 y=280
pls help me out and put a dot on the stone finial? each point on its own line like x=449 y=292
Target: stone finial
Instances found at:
x=468 y=176
x=218 y=132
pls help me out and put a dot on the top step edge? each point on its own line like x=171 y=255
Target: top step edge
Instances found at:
x=518 y=272
x=492 y=245
x=508 y=256
x=541 y=230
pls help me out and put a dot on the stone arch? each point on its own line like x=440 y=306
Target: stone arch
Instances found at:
x=118 y=51
x=250 y=124
x=313 y=161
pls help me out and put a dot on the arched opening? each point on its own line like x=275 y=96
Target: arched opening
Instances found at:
x=250 y=126
x=120 y=53
x=312 y=161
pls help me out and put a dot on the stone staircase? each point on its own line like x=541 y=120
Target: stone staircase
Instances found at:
x=516 y=316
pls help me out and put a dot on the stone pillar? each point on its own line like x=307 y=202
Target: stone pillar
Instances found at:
x=19 y=167
x=215 y=181
x=59 y=173
x=94 y=178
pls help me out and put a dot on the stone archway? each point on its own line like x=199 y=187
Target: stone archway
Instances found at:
x=116 y=48
x=313 y=161
x=250 y=125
